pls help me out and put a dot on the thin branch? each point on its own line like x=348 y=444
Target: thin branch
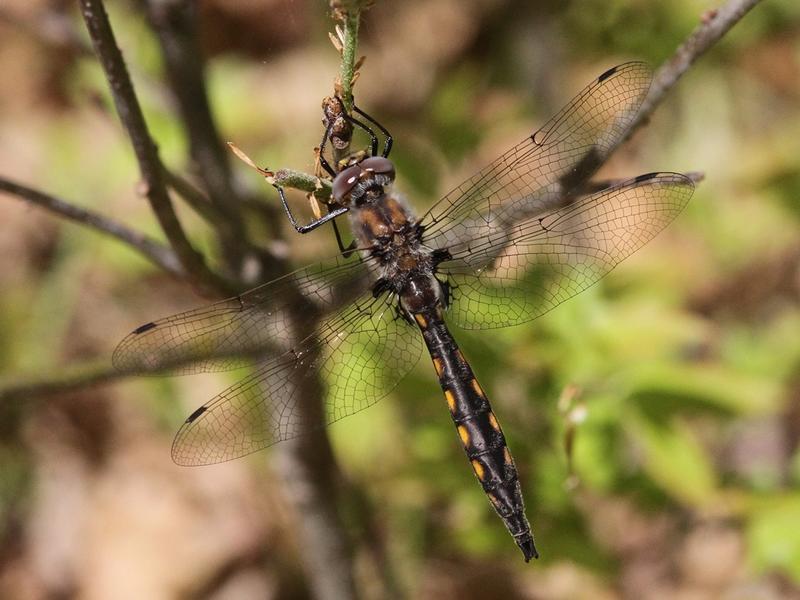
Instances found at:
x=715 y=24
x=321 y=188
x=348 y=14
x=351 y=18
x=150 y=166
x=193 y=196
x=157 y=253
x=67 y=379
x=175 y=24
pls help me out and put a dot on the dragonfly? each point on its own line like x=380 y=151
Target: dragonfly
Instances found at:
x=509 y=244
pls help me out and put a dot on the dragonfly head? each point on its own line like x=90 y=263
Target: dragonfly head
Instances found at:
x=363 y=181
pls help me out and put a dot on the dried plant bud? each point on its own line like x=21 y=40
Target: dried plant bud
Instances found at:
x=240 y=154
x=336 y=43
x=314 y=203
x=341 y=7
x=341 y=131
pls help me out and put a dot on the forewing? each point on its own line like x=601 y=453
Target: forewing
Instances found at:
x=357 y=358
x=536 y=173
x=232 y=333
x=515 y=274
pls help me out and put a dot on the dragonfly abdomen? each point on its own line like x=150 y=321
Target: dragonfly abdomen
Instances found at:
x=478 y=428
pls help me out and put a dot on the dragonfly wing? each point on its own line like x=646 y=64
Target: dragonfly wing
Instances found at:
x=515 y=274
x=356 y=358
x=232 y=333
x=537 y=173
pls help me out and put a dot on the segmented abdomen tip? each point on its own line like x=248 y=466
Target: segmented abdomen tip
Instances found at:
x=528 y=549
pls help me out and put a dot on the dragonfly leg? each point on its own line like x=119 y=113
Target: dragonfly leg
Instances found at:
x=372 y=137
x=348 y=250
x=387 y=144
x=334 y=212
x=322 y=160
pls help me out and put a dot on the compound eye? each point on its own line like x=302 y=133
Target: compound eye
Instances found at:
x=344 y=183
x=378 y=164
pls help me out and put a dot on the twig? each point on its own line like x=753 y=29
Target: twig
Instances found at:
x=175 y=24
x=715 y=24
x=68 y=379
x=321 y=188
x=150 y=166
x=193 y=196
x=348 y=13
x=350 y=20
x=157 y=253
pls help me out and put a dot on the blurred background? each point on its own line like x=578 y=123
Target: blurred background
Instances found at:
x=675 y=381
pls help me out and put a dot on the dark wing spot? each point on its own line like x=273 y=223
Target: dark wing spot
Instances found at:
x=192 y=417
x=607 y=74
x=145 y=327
x=645 y=177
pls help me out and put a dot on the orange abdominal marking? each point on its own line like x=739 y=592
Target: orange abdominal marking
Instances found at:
x=464 y=435
x=479 y=471
x=451 y=400
x=478 y=390
x=493 y=422
x=507 y=456
x=437 y=364
x=421 y=320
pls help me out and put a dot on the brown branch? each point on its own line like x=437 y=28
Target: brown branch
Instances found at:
x=150 y=166
x=194 y=197
x=715 y=24
x=175 y=24
x=68 y=379
x=157 y=253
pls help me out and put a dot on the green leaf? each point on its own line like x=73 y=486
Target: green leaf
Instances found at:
x=674 y=459
x=774 y=536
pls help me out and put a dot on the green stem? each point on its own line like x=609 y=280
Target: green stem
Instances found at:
x=303 y=181
x=350 y=24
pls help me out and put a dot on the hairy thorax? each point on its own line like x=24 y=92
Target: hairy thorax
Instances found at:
x=389 y=233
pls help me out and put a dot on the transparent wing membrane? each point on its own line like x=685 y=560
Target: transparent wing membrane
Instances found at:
x=232 y=333
x=537 y=173
x=358 y=357
x=512 y=275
